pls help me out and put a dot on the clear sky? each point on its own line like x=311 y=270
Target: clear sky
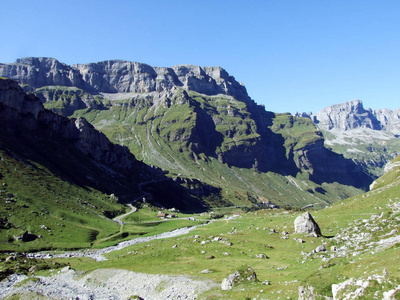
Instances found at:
x=292 y=55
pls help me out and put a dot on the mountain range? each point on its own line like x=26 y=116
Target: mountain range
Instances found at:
x=80 y=144
x=197 y=123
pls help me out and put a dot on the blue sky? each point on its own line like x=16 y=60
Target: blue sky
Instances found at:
x=292 y=55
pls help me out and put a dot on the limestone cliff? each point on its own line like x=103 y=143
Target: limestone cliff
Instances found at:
x=117 y=76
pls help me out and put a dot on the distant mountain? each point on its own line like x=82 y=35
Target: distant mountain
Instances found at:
x=198 y=123
x=369 y=137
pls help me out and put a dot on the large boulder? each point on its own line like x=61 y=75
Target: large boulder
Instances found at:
x=306 y=224
x=243 y=274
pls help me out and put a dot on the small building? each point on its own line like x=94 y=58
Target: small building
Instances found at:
x=161 y=215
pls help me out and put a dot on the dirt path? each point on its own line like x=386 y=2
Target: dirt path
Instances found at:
x=119 y=218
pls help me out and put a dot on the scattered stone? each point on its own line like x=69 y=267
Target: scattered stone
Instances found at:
x=175 y=246
x=320 y=249
x=306 y=293
x=206 y=271
x=261 y=255
x=306 y=224
x=32 y=269
x=9 y=258
x=210 y=257
x=385 y=272
x=226 y=253
x=244 y=274
x=26 y=237
x=65 y=269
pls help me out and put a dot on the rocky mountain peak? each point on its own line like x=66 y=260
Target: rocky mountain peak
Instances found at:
x=352 y=115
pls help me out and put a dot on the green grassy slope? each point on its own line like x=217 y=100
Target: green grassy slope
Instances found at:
x=357 y=227
x=62 y=213
x=211 y=138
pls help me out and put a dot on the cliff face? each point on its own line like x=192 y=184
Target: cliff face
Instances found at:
x=118 y=76
x=28 y=111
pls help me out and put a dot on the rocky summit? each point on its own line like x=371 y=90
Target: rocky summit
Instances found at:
x=199 y=123
x=368 y=137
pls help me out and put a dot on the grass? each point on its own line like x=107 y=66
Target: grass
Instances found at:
x=169 y=135
x=285 y=268
x=249 y=235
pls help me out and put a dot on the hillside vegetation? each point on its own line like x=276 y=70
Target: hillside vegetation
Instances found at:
x=355 y=258
x=360 y=236
x=217 y=140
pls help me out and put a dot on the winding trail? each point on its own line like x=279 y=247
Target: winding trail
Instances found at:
x=118 y=219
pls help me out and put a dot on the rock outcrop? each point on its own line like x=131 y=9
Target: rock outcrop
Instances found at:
x=306 y=224
x=244 y=274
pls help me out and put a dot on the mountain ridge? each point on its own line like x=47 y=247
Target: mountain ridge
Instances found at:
x=195 y=121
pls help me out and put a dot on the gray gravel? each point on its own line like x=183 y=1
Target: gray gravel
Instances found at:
x=106 y=284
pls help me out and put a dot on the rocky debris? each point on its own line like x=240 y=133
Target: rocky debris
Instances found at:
x=355 y=288
x=300 y=241
x=106 y=284
x=245 y=273
x=306 y=293
x=306 y=224
x=261 y=255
